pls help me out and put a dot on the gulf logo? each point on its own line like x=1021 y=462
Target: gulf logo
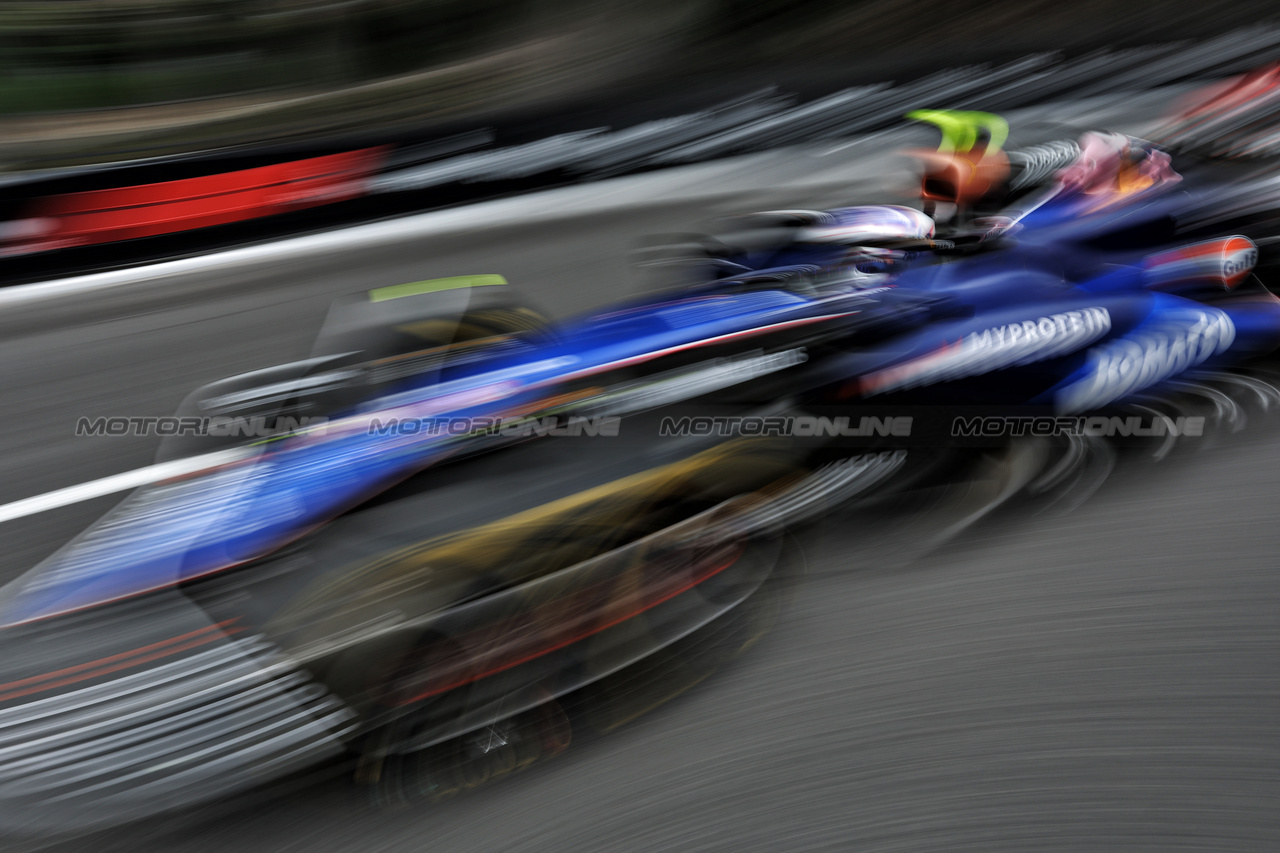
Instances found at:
x=1228 y=260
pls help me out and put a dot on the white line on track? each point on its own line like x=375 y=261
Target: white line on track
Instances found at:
x=119 y=483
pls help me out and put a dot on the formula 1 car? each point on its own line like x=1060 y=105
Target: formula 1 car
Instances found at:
x=455 y=536
x=476 y=511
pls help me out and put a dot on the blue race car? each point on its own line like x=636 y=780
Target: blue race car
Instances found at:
x=477 y=512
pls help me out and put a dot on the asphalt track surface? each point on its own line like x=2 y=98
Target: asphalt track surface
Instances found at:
x=1104 y=678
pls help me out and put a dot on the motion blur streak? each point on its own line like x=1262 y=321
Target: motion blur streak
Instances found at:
x=127 y=213
x=114 y=663
x=166 y=736
x=569 y=614
x=116 y=483
x=249 y=656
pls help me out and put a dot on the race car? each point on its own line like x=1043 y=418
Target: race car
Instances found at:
x=304 y=595
x=475 y=512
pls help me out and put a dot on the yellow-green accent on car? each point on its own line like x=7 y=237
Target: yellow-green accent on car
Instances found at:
x=960 y=128
x=413 y=288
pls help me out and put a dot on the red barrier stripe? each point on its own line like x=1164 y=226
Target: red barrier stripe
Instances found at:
x=317 y=168
x=99 y=216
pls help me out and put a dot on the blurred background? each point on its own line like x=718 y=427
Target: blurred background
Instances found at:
x=99 y=80
x=1102 y=678
x=132 y=130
